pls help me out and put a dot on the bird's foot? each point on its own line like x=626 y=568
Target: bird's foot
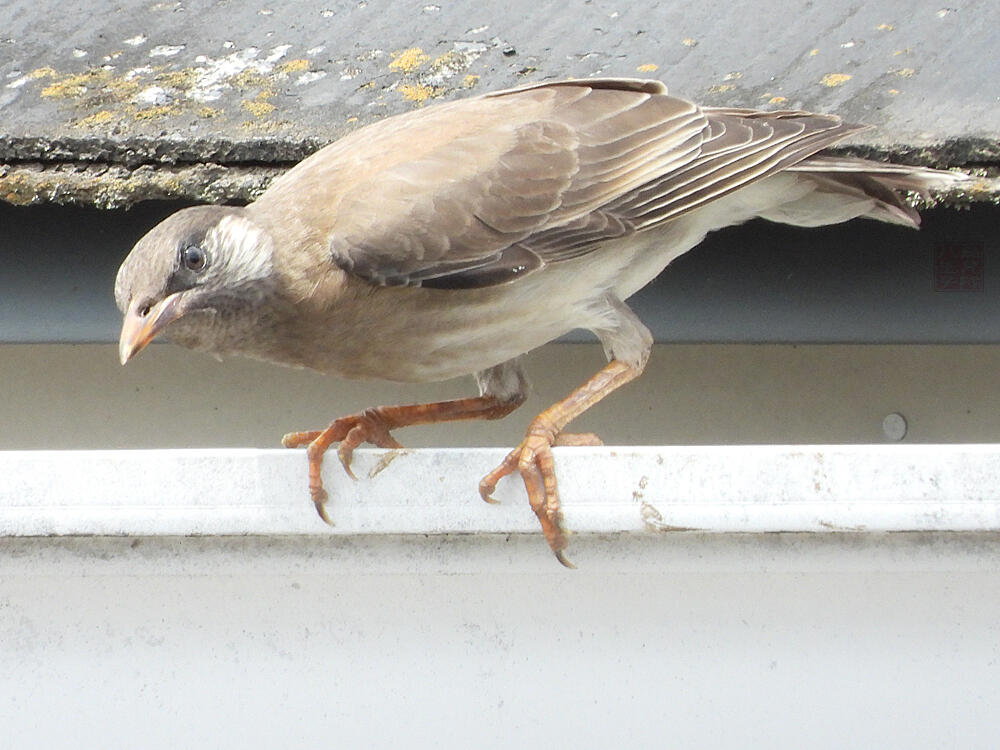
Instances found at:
x=374 y=426
x=532 y=459
x=367 y=427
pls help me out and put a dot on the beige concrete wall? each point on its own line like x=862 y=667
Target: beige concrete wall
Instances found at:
x=78 y=396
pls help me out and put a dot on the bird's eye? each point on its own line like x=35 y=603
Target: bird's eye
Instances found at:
x=194 y=258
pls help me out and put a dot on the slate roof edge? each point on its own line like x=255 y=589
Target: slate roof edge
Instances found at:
x=114 y=173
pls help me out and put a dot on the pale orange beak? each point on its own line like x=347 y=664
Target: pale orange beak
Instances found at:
x=140 y=327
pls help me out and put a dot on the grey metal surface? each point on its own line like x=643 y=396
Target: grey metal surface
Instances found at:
x=857 y=282
x=690 y=642
x=248 y=84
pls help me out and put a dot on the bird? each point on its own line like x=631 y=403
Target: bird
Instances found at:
x=454 y=238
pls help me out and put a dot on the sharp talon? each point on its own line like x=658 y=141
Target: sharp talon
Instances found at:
x=486 y=493
x=532 y=459
x=321 y=509
x=319 y=500
x=345 y=452
x=563 y=561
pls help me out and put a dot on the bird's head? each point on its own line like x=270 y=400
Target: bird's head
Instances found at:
x=192 y=275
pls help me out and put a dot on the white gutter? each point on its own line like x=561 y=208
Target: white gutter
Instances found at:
x=716 y=489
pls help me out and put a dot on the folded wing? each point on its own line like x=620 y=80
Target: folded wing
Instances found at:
x=519 y=179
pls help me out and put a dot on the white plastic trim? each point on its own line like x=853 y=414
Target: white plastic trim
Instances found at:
x=722 y=489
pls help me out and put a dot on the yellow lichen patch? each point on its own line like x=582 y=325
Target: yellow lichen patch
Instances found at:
x=119 y=88
x=209 y=112
x=93 y=88
x=59 y=91
x=408 y=60
x=777 y=100
x=351 y=120
x=182 y=79
x=293 y=66
x=155 y=113
x=417 y=93
x=734 y=76
x=248 y=79
x=689 y=42
x=103 y=117
x=884 y=27
x=257 y=107
x=720 y=88
x=893 y=92
x=469 y=81
x=813 y=52
x=904 y=72
x=45 y=72
x=75 y=85
x=835 y=79
x=647 y=67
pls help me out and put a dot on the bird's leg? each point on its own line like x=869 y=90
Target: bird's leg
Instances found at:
x=533 y=457
x=374 y=425
x=627 y=343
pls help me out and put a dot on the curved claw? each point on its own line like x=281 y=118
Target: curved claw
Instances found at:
x=486 y=493
x=349 y=432
x=563 y=561
x=316 y=491
x=532 y=459
x=346 y=454
x=374 y=426
x=488 y=484
x=319 y=498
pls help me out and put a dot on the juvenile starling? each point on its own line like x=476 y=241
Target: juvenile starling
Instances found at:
x=452 y=239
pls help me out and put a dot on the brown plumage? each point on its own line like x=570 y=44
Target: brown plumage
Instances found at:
x=452 y=239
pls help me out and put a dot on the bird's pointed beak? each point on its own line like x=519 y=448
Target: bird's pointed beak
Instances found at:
x=142 y=324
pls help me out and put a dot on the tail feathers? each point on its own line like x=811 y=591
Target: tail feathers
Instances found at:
x=881 y=187
x=887 y=202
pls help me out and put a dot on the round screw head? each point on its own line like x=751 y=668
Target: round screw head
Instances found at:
x=894 y=426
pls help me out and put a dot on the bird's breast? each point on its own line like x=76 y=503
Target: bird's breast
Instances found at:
x=411 y=334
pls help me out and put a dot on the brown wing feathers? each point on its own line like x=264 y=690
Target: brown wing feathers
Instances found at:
x=596 y=160
x=589 y=147
x=739 y=151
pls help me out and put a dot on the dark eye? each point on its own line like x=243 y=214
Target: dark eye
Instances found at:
x=194 y=258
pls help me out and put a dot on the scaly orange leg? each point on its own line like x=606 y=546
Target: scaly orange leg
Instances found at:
x=374 y=425
x=532 y=458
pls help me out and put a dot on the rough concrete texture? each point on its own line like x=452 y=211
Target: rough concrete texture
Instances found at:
x=257 y=85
